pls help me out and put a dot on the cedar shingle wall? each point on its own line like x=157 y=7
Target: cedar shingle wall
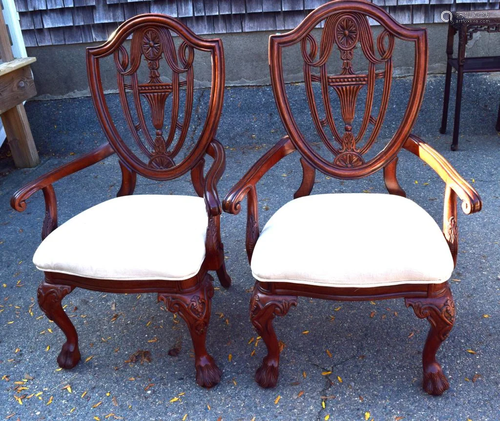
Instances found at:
x=53 y=22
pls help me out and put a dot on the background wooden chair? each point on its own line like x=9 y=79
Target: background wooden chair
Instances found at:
x=143 y=243
x=351 y=246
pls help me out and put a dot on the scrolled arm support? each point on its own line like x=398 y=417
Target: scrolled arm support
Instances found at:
x=216 y=151
x=456 y=187
x=44 y=183
x=471 y=202
x=18 y=199
x=232 y=202
x=246 y=188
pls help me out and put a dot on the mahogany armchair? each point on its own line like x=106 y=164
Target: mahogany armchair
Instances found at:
x=351 y=246
x=143 y=243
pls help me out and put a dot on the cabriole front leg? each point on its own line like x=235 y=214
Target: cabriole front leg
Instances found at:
x=194 y=307
x=263 y=309
x=49 y=300
x=440 y=312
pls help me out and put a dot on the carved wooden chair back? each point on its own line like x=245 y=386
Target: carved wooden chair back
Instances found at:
x=141 y=66
x=345 y=27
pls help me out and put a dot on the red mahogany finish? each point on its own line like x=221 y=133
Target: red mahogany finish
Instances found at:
x=159 y=140
x=345 y=28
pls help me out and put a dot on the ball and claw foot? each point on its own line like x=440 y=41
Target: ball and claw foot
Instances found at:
x=69 y=356
x=267 y=375
x=435 y=382
x=208 y=374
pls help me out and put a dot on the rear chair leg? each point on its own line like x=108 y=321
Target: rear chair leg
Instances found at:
x=440 y=312
x=49 y=300
x=263 y=309
x=194 y=308
x=224 y=278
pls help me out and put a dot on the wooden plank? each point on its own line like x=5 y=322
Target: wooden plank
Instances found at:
x=292 y=5
x=411 y=2
x=16 y=86
x=83 y=16
x=99 y=32
x=37 y=19
x=234 y=23
x=391 y=3
x=26 y=21
x=436 y=13
x=313 y=4
x=57 y=36
x=5 y=45
x=37 y=5
x=401 y=13
x=69 y=3
x=43 y=37
x=21 y=5
x=211 y=7
x=280 y=21
x=167 y=8
x=292 y=19
x=54 y=4
x=379 y=2
x=224 y=7
x=87 y=35
x=83 y=3
x=253 y=22
x=254 y=6
x=30 y=38
x=20 y=138
x=104 y=13
x=15 y=64
x=200 y=25
x=143 y=7
x=220 y=24
x=73 y=35
x=199 y=7
x=237 y=6
x=57 y=18
x=184 y=8
x=421 y=14
x=271 y=6
x=432 y=2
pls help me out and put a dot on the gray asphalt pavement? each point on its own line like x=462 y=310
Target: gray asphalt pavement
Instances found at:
x=373 y=350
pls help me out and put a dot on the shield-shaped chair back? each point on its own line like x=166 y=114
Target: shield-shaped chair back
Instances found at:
x=155 y=79
x=346 y=37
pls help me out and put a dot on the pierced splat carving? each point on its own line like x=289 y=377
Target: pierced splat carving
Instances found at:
x=155 y=44
x=346 y=31
x=155 y=80
x=347 y=135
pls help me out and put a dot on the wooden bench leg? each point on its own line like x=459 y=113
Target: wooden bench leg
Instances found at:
x=22 y=145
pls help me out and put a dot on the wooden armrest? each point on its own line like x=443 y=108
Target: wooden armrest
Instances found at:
x=471 y=202
x=232 y=201
x=216 y=151
x=18 y=200
x=246 y=187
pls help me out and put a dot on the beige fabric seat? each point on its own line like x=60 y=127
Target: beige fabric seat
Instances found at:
x=352 y=240
x=138 y=237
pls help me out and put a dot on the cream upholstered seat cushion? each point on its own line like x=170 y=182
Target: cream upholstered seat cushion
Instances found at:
x=138 y=237
x=352 y=240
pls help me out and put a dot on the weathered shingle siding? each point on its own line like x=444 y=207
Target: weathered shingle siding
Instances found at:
x=54 y=22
